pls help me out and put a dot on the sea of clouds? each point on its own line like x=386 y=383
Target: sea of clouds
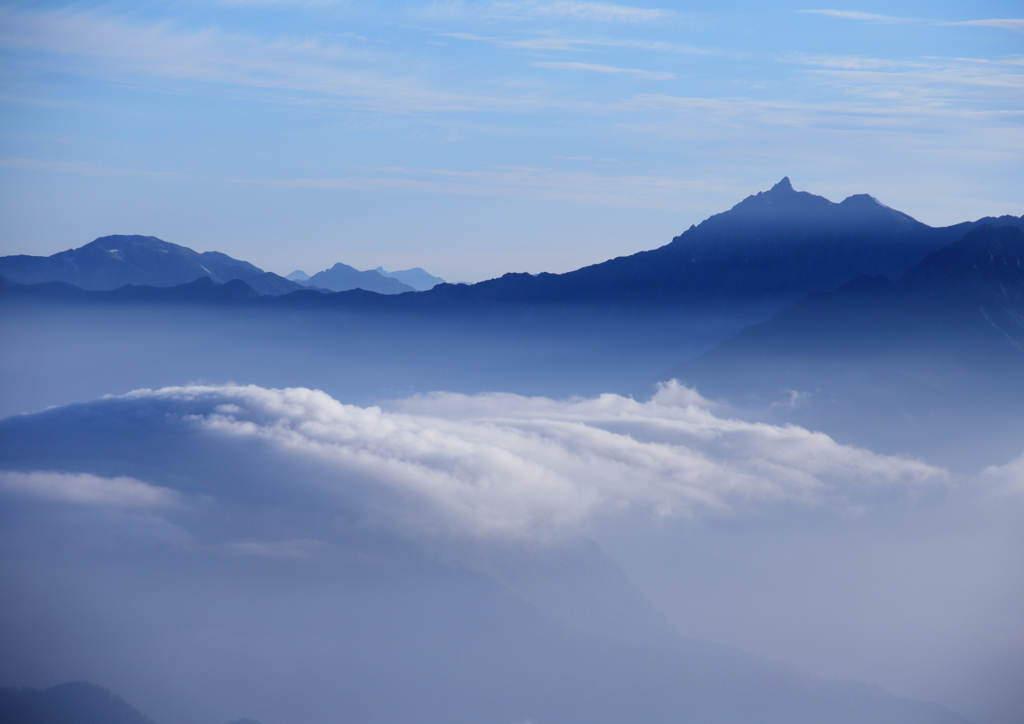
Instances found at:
x=774 y=539
x=490 y=465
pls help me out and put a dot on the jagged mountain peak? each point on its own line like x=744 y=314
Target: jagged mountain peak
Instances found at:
x=780 y=200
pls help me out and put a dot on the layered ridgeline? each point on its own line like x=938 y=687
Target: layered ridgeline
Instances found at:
x=111 y=262
x=894 y=364
x=417 y=277
x=765 y=253
x=342 y=277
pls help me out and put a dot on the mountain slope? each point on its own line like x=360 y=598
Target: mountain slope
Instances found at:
x=113 y=261
x=77 y=702
x=932 y=364
x=972 y=289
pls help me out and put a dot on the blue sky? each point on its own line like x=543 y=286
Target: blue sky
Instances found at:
x=478 y=138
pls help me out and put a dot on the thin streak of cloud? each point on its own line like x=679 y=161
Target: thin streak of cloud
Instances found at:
x=551 y=43
x=587 y=11
x=1006 y=23
x=854 y=15
x=647 y=74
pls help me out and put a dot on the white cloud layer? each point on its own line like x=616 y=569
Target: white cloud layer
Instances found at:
x=500 y=465
x=1008 y=479
x=86 y=489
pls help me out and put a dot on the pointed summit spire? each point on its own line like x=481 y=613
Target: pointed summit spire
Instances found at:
x=783 y=185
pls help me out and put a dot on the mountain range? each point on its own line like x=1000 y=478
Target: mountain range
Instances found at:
x=765 y=253
x=342 y=277
x=417 y=278
x=111 y=262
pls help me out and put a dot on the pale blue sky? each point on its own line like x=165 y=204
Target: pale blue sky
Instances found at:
x=478 y=138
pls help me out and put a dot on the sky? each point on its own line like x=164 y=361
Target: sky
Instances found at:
x=473 y=139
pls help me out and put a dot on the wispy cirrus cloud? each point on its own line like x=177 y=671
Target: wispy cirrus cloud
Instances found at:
x=1005 y=23
x=556 y=43
x=587 y=11
x=109 y=46
x=947 y=85
x=854 y=15
x=611 y=70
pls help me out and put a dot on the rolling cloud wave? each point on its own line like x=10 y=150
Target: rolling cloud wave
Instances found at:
x=493 y=465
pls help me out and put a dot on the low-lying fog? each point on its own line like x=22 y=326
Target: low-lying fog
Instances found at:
x=215 y=551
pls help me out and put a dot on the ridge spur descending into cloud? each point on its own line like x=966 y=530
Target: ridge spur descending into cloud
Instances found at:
x=493 y=465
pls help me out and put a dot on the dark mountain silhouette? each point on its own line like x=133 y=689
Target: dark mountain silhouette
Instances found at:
x=342 y=277
x=931 y=364
x=766 y=252
x=752 y=261
x=113 y=261
x=77 y=702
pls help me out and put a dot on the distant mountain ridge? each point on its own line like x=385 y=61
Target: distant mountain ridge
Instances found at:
x=417 y=278
x=767 y=252
x=342 y=278
x=113 y=261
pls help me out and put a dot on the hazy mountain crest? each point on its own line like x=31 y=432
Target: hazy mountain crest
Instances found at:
x=342 y=278
x=417 y=278
x=113 y=261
